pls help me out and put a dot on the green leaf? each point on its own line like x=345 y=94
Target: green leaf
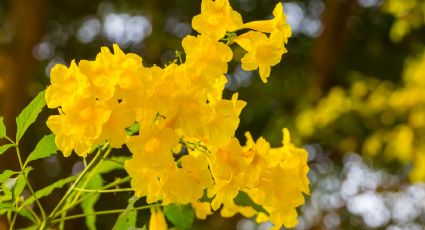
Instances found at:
x=13 y=186
x=2 y=128
x=128 y=218
x=181 y=216
x=48 y=190
x=112 y=163
x=45 y=148
x=88 y=203
x=6 y=175
x=26 y=213
x=29 y=114
x=16 y=185
x=243 y=199
x=9 y=206
x=133 y=129
x=5 y=147
x=6 y=206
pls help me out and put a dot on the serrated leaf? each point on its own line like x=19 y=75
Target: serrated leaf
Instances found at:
x=2 y=128
x=6 y=175
x=18 y=185
x=45 y=148
x=29 y=114
x=5 y=147
x=128 y=218
x=181 y=216
x=88 y=203
x=13 y=187
x=48 y=190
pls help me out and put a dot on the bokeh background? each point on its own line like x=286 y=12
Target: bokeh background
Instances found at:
x=351 y=89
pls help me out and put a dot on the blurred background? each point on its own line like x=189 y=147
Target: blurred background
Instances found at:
x=351 y=89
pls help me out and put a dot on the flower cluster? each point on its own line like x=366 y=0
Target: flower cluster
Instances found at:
x=409 y=15
x=186 y=144
x=392 y=115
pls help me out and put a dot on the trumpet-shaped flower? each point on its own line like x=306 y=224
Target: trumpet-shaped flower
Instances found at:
x=202 y=209
x=152 y=148
x=263 y=52
x=67 y=84
x=206 y=53
x=216 y=18
x=277 y=23
x=186 y=184
x=79 y=126
x=225 y=120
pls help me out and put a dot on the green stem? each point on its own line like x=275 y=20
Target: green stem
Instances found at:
x=105 y=191
x=35 y=215
x=85 y=162
x=13 y=221
x=62 y=223
x=30 y=188
x=106 y=212
x=90 y=175
x=10 y=140
x=77 y=181
x=112 y=184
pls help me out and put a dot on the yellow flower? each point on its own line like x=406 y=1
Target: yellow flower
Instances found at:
x=230 y=209
x=157 y=220
x=228 y=160
x=277 y=23
x=409 y=15
x=418 y=171
x=103 y=74
x=263 y=51
x=152 y=148
x=79 y=126
x=186 y=145
x=224 y=191
x=224 y=120
x=66 y=85
x=191 y=112
x=202 y=209
x=186 y=184
x=288 y=165
x=204 y=51
x=216 y=18
x=206 y=59
x=113 y=131
x=258 y=152
x=144 y=181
